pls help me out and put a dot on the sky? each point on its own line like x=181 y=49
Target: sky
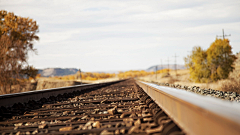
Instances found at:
x=114 y=35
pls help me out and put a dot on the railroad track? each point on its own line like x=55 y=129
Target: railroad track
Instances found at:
x=114 y=108
x=121 y=107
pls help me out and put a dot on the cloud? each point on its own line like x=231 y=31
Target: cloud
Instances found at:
x=131 y=34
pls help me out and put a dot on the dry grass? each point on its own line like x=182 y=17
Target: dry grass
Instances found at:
x=233 y=83
x=47 y=83
x=183 y=78
x=21 y=88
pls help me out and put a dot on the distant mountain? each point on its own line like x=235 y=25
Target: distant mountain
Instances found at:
x=48 y=72
x=159 y=67
x=57 y=71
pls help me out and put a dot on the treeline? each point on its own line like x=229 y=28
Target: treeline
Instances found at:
x=133 y=73
x=91 y=76
x=85 y=76
x=139 y=73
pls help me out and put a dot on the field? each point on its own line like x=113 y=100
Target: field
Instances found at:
x=183 y=78
x=47 y=83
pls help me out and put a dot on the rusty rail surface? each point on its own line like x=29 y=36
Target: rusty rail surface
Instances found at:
x=107 y=108
x=196 y=114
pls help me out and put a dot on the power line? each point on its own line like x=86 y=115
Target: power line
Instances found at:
x=175 y=63
x=161 y=65
x=168 y=65
x=223 y=34
x=80 y=75
x=156 y=71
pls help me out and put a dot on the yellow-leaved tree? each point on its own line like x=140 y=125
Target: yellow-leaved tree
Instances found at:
x=197 y=64
x=220 y=59
x=17 y=35
x=212 y=64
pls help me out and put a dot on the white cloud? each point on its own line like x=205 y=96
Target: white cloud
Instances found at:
x=122 y=32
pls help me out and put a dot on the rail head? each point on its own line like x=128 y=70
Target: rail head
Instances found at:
x=8 y=100
x=196 y=114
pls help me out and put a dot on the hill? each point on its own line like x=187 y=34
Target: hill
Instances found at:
x=57 y=71
x=159 y=67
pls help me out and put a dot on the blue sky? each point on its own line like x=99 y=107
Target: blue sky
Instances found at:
x=103 y=35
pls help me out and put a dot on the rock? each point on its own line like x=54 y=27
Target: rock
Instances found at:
x=105 y=112
x=18 y=133
x=129 y=124
x=113 y=110
x=18 y=124
x=146 y=115
x=65 y=113
x=103 y=101
x=133 y=115
x=48 y=106
x=35 y=132
x=148 y=119
x=110 y=117
x=122 y=115
x=84 y=117
x=122 y=131
x=96 y=124
x=137 y=122
x=128 y=119
x=117 y=125
x=134 y=129
x=117 y=132
x=164 y=122
x=89 y=123
x=28 y=124
x=66 y=128
x=154 y=130
x=119 y=110
x=71 y=119
x=96 y=111
x=42 y=126
x=105 y=132
x=89 y=127
x=80 y=127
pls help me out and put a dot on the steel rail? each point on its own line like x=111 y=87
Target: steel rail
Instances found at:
x=196 y=114
x=8 y=100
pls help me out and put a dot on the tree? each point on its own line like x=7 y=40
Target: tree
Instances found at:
x=17 y=35
x=197 y=64
x=220 y=59
x=212 y=64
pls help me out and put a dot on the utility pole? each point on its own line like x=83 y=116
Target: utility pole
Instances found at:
x=161 y=66
x=175 y=63
x=156 y=71
x=80 y=75
x=168 y=65
x=223 y=34
x=223 y=39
